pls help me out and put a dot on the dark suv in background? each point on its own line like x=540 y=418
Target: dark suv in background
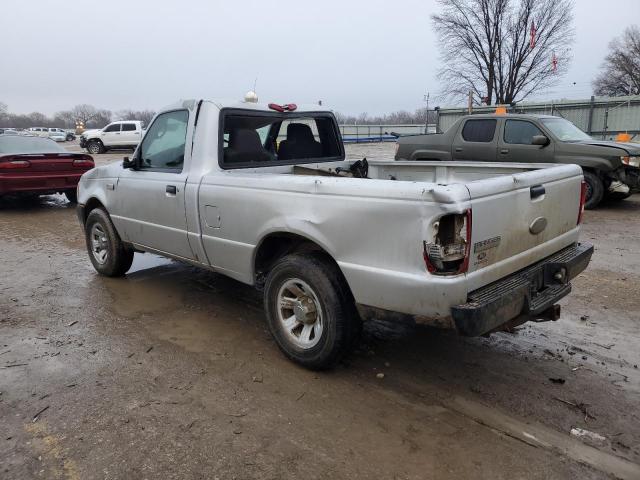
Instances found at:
x=611 y=169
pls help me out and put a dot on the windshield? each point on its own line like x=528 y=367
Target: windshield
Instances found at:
x=564 y=130
x=15 y=144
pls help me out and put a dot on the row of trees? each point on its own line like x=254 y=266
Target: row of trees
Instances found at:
x=89 y=115
x=401 y=117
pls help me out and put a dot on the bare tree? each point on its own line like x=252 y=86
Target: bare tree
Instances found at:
x=502 y=50
x=84 y=113
x=65 y=118
x=401 y=117
x=621 y=68
x=145 y=116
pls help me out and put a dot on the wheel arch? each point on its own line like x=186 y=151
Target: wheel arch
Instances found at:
x=275 y=245
x=91 y=204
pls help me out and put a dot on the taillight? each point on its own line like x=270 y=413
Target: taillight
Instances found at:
x=448 y=253
x=15 y=164
x=583 y=200
x=84 y=163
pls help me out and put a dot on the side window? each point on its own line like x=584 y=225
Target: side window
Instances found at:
x=113 y=128
x=163 y=145
x=481 y=130
x=520 y=132
x=128 y=127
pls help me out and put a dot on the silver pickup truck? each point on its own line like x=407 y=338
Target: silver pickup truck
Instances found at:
x=263 y=194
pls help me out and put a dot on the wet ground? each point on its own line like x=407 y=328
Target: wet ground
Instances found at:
x=170 y=372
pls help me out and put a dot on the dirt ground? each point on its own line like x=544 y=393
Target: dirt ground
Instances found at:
x=170 y=373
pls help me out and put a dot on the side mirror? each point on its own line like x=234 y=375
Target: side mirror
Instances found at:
x=132 y=164
x=541 y=140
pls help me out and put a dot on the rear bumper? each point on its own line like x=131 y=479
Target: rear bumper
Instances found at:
x=36 y=183
x=525 y=295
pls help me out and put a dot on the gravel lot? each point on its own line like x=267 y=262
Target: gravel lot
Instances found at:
x=170 y=372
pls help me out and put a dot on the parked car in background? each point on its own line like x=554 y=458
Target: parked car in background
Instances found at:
x=116 y=135
x=57 y=134
x=31 y=165
x=263 y=194
x=611 y=169
x=8 y=130
x=37 y=131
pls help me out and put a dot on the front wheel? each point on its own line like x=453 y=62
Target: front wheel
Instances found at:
x=95 y=147
x=595 y=190
x=310 y=311
x=107 y=253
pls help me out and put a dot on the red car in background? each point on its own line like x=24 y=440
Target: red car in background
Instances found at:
x=39 y=166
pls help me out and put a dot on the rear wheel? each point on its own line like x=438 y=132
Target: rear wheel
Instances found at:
x=95 y=146
x=595 y=190
x=107 y=253
x=310 y=311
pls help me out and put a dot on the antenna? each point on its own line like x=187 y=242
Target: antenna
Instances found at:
x=251 y=96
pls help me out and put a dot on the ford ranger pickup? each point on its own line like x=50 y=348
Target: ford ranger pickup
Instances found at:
x=263 y=194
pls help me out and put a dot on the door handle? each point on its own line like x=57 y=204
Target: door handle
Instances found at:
x=504 y=150
x=537 y=191
x=458 y=149
x=171 y=189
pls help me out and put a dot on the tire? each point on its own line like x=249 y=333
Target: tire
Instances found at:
x=100 y=234
x=95 y=146
x=72 y=195
x=595 y=190
x=315 y=284
x=70 y=138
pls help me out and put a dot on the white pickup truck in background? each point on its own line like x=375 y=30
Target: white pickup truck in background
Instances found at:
x=263 y=194
x=116 y=135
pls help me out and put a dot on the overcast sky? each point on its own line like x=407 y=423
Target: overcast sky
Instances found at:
x=356 y=56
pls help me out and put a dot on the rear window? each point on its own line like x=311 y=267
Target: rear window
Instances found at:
x=128 y=127
x=15 y=144
x=260 y=139
x=481 y=130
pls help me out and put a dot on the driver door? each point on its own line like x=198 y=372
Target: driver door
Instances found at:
x=111 y=135
x=150 y=201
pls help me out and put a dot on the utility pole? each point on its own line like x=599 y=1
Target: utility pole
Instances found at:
x=426 y=115
x=470 y=104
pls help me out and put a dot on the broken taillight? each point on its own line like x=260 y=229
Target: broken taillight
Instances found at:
x=448 y=253
x=583 y=200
